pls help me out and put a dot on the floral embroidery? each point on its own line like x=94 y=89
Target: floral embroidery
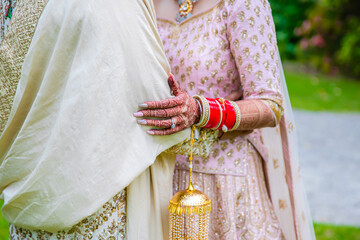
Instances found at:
x=107 y=223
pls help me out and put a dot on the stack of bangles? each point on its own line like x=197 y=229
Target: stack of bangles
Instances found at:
x=218 y=114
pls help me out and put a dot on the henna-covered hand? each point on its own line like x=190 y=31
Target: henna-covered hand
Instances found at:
x=182 y=110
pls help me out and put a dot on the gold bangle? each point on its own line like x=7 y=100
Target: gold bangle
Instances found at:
x=207 y=106
x=238 y=116
x=204 y=118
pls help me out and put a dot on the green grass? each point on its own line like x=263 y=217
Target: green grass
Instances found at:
x=318 y=92
x=4 y=226
x=333 y=232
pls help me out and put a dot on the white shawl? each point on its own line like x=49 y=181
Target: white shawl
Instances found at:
x=71 y=142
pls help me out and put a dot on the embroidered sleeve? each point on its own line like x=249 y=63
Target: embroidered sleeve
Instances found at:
x=277 y=110
x=251 y=34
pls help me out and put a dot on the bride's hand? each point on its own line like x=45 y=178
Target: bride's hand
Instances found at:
x=173 y=114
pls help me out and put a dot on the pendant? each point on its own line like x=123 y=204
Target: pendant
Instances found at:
x=185 y=9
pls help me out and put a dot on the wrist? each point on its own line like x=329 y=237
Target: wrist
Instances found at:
x=218 y=114
x=198 y=111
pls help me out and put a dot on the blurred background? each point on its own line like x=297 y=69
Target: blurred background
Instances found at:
x=319 y=41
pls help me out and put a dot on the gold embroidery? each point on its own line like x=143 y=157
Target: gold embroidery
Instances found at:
x=219 y=80
x=12 y=55
x=182 y=78
x=215 y=153
x=259 y=75
x=239 y=60
x=196 y=64
x=266 y=65
x=236 y=43
x=224 y=145
x=204 y=80
x=191 y=85
x=241 y=16
x=182 y=61
x=201 y=148
x=214 y=73
x=276 y=108
x=254 y=40
x=223 y=64
x=239 y=146
x=230 y=153
x=249 y=68
x=189 y=70
x=257 y=11
x=247 y=4
x=107 y=223
x=208 y=64
x=282 y=204
x=257 y=58
x=276 y=163
x=243 y=34
x=221 y=161
x=291 y=127
x=246 y=51
x=251 y=21
x=261 y=29
x=176 y=69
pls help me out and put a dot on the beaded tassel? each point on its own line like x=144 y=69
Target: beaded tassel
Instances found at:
x=189 y=210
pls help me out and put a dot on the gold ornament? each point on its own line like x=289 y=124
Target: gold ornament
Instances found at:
x=185 y=9
x=189 y=210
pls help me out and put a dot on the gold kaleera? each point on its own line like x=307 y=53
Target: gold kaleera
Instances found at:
x=189 y=210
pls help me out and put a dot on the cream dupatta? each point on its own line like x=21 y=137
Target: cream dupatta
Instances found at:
x=71 y=142
x=283 y=174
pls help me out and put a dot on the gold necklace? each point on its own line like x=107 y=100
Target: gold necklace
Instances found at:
x=185 y=9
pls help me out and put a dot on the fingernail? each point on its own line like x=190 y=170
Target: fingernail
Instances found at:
x=143 y=105
x=138 y=114
x=141 y=121
x=150 y=132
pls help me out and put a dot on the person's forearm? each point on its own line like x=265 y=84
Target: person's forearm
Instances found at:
x=255 y=114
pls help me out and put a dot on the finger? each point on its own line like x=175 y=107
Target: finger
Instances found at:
x=235 y=95
x=168 y=131
x=162 y=123
x=159 y=113
x=175 y=88
x=166 y=103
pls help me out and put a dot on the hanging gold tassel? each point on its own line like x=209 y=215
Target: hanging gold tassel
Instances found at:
x=190 y=210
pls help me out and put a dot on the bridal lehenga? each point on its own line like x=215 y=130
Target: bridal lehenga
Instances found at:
x=68 y=169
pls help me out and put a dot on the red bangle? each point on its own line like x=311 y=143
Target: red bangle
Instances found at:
x=221 y=101
x=222 y=115
x=215 y=114
x=228 y=113
x=230 y=116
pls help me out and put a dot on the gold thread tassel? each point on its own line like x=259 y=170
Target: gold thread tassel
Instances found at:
x=189 y=210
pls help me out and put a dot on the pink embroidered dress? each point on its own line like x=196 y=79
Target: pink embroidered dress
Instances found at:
x=231 y=46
